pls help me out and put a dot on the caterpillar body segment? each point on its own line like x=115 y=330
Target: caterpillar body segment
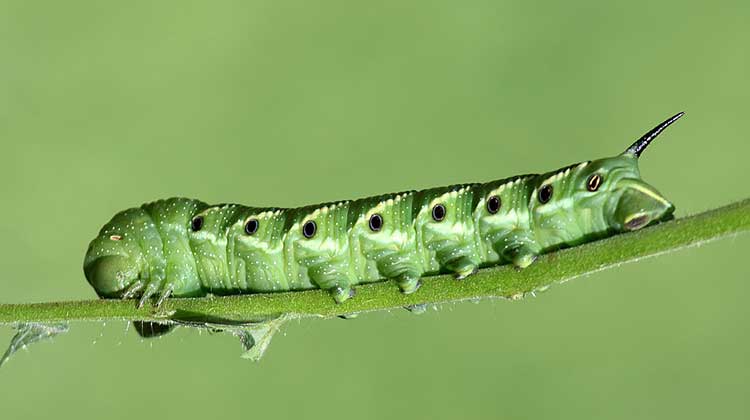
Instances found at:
x=183 y=247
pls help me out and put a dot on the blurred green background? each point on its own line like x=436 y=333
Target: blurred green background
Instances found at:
x=105 y=105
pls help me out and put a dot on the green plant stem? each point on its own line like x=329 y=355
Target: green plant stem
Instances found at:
x=502 y=281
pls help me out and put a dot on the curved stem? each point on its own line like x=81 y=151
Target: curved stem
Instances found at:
x=501 y=281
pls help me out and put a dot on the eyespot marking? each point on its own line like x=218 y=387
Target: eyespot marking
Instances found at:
x=493 y=204
x=438 y=212
x=594 y=182
x=197 y=223
x=545 y=193
x=376 y=222
x=309 y=229
x=251 y=226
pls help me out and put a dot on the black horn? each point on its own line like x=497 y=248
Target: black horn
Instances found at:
x=642 y=143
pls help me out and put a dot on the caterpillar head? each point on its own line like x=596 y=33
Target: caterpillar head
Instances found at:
x=630 y=203
x=109 y=270
x=114 y=262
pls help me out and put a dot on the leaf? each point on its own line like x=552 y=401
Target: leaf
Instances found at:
x=255 y=341
x=29 y=333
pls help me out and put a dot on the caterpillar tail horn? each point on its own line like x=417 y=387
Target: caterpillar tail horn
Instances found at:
x=642 y=143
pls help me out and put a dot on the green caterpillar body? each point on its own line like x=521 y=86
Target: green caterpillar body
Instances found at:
x=182 y=247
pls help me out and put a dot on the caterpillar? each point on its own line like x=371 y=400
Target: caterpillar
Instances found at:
x=184 y=248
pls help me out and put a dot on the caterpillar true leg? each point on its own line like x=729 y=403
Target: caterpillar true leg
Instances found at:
x=133 y=290
x=165 y=293
x=151 y=289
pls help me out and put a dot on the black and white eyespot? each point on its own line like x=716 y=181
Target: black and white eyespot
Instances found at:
x=594 y=182
x=376 y=222
x=545 y=193
x=493 y=204
x=438 y=212
x=309 y=229
x=197 y=223
x=251 y=226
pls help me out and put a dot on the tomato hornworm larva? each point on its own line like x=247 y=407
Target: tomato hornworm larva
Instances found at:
x=182 y=247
